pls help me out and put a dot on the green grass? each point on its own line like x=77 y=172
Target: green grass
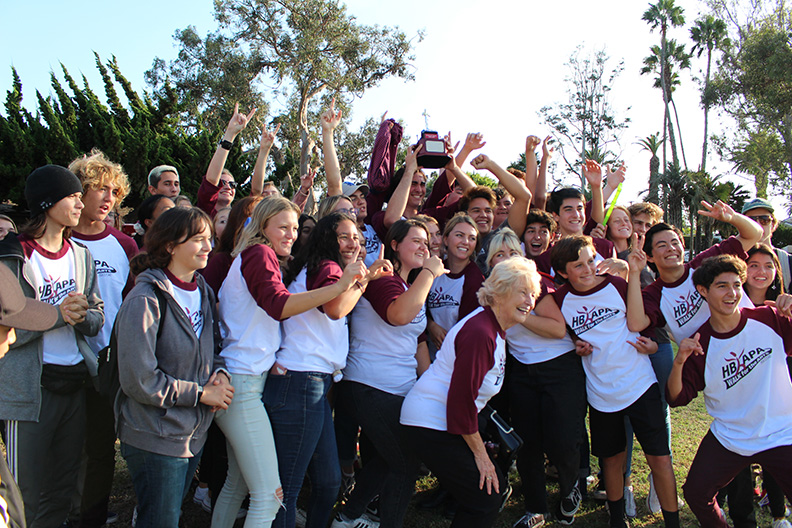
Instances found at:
x=689 y=424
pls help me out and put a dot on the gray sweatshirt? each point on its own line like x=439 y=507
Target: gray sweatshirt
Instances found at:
x=157 y=409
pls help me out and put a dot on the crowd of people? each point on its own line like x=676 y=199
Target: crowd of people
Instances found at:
x=356 y=339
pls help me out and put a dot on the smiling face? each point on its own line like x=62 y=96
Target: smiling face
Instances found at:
x=503 y=253
x=571 y=216
x=502 y=210
x=761 y=272
x=537 y=239
x=417 y=190
x=724 y=294
x=348 y=241
x=413 y=251
x=619 y=225
x=66 y=212
x=281 y=231
x=582 y=273
x=481 y=212
x=461 y=242
x=667 y=251
x=516 y=305
x=435 y=239
x=358 y=200
x=227 y=190
x=641 y=223
x=192 y=254
x=344 y=205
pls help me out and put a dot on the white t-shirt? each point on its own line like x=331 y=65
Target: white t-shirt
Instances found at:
x=189 y=298
x=616 y=373
x=54 y=277
x=373 y=244
x=745 y=380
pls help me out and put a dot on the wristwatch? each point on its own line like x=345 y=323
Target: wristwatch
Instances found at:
x=224 y=143
x=200 y=393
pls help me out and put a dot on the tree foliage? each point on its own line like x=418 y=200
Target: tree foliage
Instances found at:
x=587 y=125
x=286 y=52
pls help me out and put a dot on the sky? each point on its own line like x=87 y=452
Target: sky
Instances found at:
x=483 y=67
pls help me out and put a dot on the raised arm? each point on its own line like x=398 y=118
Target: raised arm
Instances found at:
x=514 y=186
x=398 y=201
x=260 y=169
x=749 y=232
x=409 y=304
x=473 y=141
x=593 y=174
x=637 y=320
x=540 y=187
x=615 y=178
x=531 y=142
x=330 y=120
x=235 y=126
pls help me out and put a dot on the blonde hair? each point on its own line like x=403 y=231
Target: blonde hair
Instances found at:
x=502 y=236
x=463 y=218
x=328 y=204
x=506 y=277
x=253 y=233
x=94 y=171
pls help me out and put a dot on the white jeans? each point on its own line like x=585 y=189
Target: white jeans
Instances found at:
x=252 y=461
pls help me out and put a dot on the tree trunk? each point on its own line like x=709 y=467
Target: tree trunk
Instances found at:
x=703 y=166
x=679 y=128
x=654 y=176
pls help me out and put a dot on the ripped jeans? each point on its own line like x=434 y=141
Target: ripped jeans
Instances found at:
x=252 y=461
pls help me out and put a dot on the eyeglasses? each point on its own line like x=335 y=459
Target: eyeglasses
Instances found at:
x=228 y=183
x=351 y=212
x=762 y=219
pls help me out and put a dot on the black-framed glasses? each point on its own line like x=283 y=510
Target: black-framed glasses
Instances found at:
x=762 y=219
x=228 y=183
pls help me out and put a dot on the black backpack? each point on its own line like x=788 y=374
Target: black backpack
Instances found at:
x=108 y=379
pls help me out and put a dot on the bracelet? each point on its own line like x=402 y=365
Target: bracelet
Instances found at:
x=430 y=271
x=360 y=285
x=303 y=193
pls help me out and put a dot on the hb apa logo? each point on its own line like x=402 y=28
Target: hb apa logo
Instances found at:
x=686 y=307
x=740 y=365
x=588 y=318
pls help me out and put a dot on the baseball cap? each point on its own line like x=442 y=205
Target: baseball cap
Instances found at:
x=349 y=188
x=18 y=311
x=757 y=203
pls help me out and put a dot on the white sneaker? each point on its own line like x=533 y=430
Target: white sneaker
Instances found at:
x=200 y=493
x=206 y=503
x=361 y=522
x=781 y=523
x=629 y=502
x=652 y=501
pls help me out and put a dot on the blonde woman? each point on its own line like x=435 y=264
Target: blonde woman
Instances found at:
x=253 y=301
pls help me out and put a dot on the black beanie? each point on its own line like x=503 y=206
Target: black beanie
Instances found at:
x=47 y=185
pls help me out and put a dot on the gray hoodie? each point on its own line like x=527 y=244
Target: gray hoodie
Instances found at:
x=157 y=409
x=20 y=369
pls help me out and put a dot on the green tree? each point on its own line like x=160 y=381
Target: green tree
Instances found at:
x=302 y=47
x=708 y=34
x=652 y=144
x=662 y=15
x=676 y=60
x=587 y=125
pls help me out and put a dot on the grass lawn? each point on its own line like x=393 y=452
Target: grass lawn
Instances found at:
x=689 y=426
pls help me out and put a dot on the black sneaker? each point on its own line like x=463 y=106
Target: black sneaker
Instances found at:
x=372 y=510
x=530 y=520
x=570 y=504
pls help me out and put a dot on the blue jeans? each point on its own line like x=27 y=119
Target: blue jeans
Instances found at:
x=302 y=424
x=392 y=470
x=161 y=482
x=662 y=361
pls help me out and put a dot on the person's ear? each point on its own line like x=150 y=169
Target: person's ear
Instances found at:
x=702 y=291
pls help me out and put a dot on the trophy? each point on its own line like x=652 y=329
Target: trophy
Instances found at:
x=433 y=154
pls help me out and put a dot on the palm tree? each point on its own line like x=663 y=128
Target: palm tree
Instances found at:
x=708 y=33
x=675 y=193
x=652 y=144
x=677 y=59
x=662 y=14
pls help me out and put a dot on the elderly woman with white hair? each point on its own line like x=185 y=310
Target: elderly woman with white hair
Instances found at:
x=441 y=410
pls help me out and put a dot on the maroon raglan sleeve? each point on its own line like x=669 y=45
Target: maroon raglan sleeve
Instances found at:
x=261 y=271
x=382 y=292
x=692 y=373
x=207 y=197
x=473 y=281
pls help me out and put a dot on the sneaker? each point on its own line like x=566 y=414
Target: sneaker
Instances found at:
x=112 y=517
x=372 y=510
x=530 y=520
x=598 y=495
x=361 y=522
x=652 y=501
x=206 y=503
x=629 y=502
x=764 y=501
x=134 y=517
x=505 y=496
x=565 y=520
x=200 y=494
x=300 y=518
x=242 y=513
x=570 y=504
x=781 y=523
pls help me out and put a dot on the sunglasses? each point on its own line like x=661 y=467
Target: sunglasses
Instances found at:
x=228 y=183
x=762 y=219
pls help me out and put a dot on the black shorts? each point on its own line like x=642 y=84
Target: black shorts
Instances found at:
x=609 y=438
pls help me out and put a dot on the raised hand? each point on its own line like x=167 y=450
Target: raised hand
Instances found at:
x=330 y=118
x=411 y=160
x=688 y=347
x=435 y=265
x=531 y=142
x=592 y=171
x=482 y=161
x=616 y=177
x=381 y=267
x=238 y=123
x=450 y=150
x=474 y=141
x=268 y=137
x=547 y=150
x=719 y=211
x=637 y=257
x=354 y=271
x=307 y=180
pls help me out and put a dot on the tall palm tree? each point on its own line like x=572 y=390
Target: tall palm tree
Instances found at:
x=652 y=144
x=677 y=59
x=708 y=34
x=661 y=15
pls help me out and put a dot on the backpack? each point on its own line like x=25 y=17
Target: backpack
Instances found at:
x=108 y=379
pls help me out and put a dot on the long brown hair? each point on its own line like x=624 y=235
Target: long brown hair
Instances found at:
x=173 y=227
